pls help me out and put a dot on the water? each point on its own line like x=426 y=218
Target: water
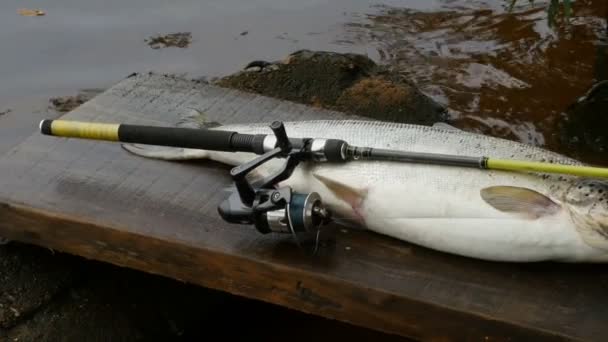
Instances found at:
x=84 y=44
x=508 y=75
x=95 y=44
x=505 y=74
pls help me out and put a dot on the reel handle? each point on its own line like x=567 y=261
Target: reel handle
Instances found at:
x=281 y=135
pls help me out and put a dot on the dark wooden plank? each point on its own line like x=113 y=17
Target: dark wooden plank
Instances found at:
x=95 y=200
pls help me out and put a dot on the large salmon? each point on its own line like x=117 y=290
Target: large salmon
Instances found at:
x=491 y=215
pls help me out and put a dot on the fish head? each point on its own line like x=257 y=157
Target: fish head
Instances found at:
x=587 y=201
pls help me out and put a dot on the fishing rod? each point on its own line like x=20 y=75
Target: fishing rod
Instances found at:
x=317 y=149
x=281 y=210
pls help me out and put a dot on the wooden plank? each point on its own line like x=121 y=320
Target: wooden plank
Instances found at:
x=95 y=200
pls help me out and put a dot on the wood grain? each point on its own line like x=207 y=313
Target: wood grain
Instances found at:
x=95 y=200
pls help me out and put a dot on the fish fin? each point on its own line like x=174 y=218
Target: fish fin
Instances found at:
x=354 y=197
x=165 y=153
x=596 y=237
x=443 y=125
x=519 y=200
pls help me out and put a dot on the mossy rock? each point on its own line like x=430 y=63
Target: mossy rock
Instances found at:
x=350 y=83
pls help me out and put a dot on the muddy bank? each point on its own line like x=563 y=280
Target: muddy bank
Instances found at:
x=48 y=296
x=105 y=303
x=29 y=278
x=350 y=83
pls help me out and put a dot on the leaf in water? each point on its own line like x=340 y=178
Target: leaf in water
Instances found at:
x=30 y=12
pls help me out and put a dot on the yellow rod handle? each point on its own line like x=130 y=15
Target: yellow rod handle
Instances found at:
x=575 y=170
x=82 y=130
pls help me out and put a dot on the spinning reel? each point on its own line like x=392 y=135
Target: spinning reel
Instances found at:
x=273 y=209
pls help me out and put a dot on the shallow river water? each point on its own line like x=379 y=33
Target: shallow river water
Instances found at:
x=508 y=74
x=500 y=73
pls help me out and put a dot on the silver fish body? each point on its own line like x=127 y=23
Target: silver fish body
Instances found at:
x=490 y=215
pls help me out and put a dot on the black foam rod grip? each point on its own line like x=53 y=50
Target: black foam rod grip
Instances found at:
x=204 y=139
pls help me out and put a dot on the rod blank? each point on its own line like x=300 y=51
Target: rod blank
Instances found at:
x=427 y=158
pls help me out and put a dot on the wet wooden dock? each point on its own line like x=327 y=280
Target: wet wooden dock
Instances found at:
x=93 y=199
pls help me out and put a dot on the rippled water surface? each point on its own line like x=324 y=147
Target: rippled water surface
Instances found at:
x=500 y=73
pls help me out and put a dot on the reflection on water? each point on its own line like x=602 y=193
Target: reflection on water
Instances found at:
x=500 y=73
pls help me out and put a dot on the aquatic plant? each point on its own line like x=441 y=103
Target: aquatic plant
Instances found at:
x=552 y=9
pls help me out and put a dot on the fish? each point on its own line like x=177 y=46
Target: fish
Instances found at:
x=493 y=215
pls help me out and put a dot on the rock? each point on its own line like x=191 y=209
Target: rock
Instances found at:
x=180 y=40
x=601 y=62
x=389 y=98
x=585 y=128
x=66 y=104
x=347 y=82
